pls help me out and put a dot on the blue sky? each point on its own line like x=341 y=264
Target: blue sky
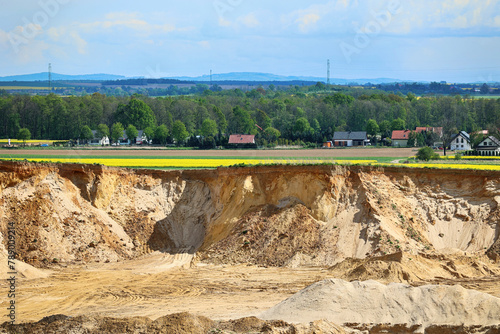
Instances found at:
x=453 y=40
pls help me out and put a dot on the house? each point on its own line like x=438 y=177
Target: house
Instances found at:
x=241 y=139
x=350 y=139
x=489 y=147
x=460 y=142
x=139 y=140
x=400 y=138
x=99 y=141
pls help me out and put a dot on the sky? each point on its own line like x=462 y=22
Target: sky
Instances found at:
x=422 y=40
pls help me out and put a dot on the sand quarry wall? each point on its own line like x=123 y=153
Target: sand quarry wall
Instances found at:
x=272 y=215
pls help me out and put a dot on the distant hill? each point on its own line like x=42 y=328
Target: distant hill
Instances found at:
x=44 y=76
x=268 y=77
x=234 y=76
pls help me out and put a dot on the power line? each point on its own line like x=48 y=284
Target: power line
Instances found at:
x=328 y=72
x=50 y=77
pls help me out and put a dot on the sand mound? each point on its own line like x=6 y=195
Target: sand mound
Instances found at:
x=403 y=267
x=342 y=302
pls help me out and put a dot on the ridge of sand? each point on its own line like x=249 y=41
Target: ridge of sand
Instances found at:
x=371 y=302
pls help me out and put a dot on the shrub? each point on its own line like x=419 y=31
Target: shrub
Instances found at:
x=426 y=154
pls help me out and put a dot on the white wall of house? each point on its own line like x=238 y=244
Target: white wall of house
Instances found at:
x=460 y=144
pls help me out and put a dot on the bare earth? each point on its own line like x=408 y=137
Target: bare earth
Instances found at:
x=217 y=292
x=320 y=153
x=234 y=242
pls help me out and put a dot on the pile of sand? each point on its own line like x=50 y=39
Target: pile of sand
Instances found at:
x=371 y=302
x=403 y=267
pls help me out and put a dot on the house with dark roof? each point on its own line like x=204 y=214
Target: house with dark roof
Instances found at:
x=350 y=139
x=241 y=139
x=460 y=142
x=489 y=147
x=400 y=138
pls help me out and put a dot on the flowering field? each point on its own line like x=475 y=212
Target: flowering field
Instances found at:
x=156 y=160
x=33 y=141
x=189 y=162
x=464 y=165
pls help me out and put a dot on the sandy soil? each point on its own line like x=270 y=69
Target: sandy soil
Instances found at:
x=321 y=153
x=217 y=292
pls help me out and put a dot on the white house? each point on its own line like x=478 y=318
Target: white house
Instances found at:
x=489 y=147
x=461 y=142
x=96 y=141
x=139 y=140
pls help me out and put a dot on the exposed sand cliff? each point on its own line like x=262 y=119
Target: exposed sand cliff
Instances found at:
x=280 y=216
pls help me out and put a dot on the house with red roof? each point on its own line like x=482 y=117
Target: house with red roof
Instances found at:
x=400 y=138
x=242 y=139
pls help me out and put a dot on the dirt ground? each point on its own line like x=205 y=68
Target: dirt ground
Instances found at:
x=218 y=292
x=320 y=153
x=124 y=243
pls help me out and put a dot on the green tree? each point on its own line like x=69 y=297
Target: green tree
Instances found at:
x=208 y=128
x=221 y=121
x=242 y=122
x=426 y=154
x=149 y=132
x=161 y=134
x=86 y=134
x=372 y=127
x=302 y=127
x=271 y=134
x=102 y=131
x=398 y=124
x=116 y=132
x=132 y=133
x=263 y=120
x=385 y=128
x=137 y=113
x=179 y=132
x=24 y=134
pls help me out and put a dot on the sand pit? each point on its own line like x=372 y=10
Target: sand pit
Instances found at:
x=371 y=302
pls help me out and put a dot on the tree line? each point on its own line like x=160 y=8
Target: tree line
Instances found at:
x=273 y=116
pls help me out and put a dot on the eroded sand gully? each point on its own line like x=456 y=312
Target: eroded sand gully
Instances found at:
x=234 y=242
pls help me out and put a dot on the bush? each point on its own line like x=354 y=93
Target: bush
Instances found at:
x=426 y=154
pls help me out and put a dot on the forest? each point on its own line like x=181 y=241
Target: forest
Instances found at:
x=274 y=116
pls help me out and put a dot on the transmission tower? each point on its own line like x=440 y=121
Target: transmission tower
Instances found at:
x=50 y=77
x=328 y=72
x=210 y=77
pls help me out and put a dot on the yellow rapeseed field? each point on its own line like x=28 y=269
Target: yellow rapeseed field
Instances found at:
x=191 y=163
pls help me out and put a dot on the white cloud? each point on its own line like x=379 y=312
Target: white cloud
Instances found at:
x=80 y=43
x=249 y=20
x=126 y=20
x=307 y=21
